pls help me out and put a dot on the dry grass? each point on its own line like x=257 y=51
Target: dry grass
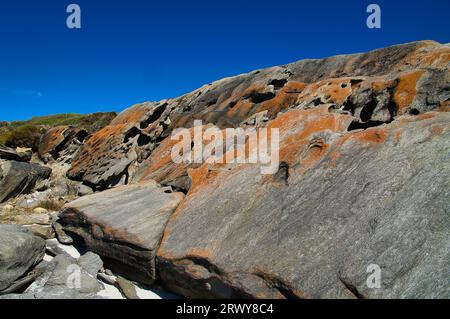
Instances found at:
x=52 y=205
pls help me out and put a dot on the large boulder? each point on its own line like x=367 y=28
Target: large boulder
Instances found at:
x=20 y=250
x=20 y=178
x=124 y=225
x=341 y=204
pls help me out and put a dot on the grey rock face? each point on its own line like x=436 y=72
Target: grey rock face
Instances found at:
x=84 y=190
x=20 y=178
x=124 y=225
x=91 y=263
x=20 y=250
x=371 y=197
x=12 y=155
x=65 y=278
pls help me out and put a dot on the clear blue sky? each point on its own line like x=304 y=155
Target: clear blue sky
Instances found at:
x=130 y=51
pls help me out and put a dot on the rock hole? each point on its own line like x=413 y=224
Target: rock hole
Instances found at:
x=232 y=105
x=154 y=117
x=259 y=97
x=354 y=82
x=143 y=139
x=368 y=109
x=132 y=133
x=317 y=101
x=414 y=112
x=348 y=106
x=81 y=136
x=278 y=83
x=212 y=102
x=364 y=126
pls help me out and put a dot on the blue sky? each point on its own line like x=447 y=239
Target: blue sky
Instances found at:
x=142 y=50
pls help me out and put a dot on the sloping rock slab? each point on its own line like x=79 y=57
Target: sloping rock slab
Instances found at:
x=20 y=178
x=19 y=251
x=378 y=196
x=124 y=225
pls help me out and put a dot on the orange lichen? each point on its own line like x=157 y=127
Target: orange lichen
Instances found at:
x=51 y=139
x=131 y=115
x=332 y=90
x=297 y=127
x=286 y=96
x=428 y=55
x=405 y=92
x=444 y=107
x=371 y=136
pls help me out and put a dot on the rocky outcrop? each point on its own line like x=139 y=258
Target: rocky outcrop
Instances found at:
x=10 y=154
x=123 y=225
x=362 y=182
x=374 y=88
x=19 y=252
x=106 y=158
x=341 y=202
x=61 y=143
x=20 y=178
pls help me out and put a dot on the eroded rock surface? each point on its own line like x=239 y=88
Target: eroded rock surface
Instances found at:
x=363 y=180
x=374 y=88
x=61 y=143
x=124 y=225
x=378 y=196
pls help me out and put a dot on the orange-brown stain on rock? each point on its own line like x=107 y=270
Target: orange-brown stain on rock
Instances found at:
x=427 y=56
x=285 y=97
x=131 y=115
x=51 y=139
x=97 y=146
x=444 y=107
x=370 y=136
x=405 y=91
x=332 y=90
x=297 y=127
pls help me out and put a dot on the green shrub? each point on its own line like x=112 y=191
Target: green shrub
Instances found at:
x=24 y=136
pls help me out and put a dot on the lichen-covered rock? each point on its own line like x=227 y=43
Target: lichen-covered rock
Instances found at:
x=376 y=196
x=123 y=225
x=106 y=157
x=61 y=143
x=363 y=180
x=374 y=88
